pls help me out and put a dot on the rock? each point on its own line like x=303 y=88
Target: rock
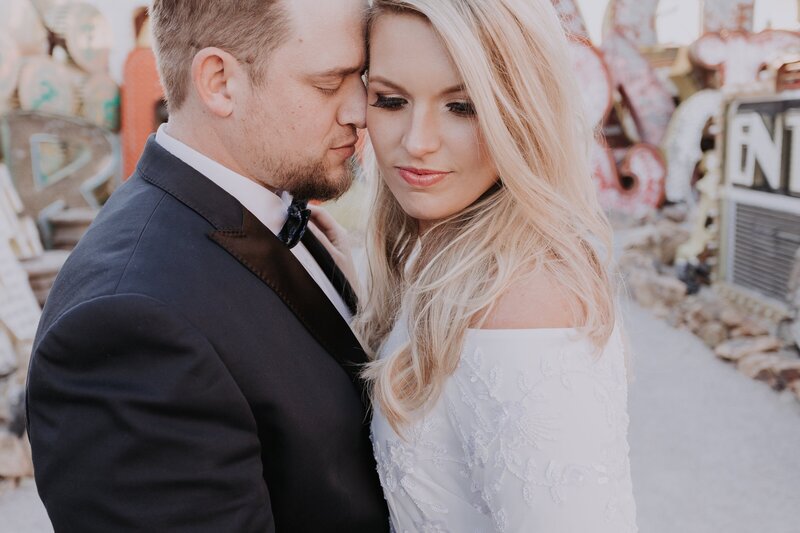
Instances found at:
x=750 y=328
x=652 y=290
x=788 y=371
x=783 y=330
x=643 y=238
x=713 y=334
x=761 y=366
x=15 y=457
x=795 y=388
x=795 y=331
x=46 y=266
x=700 y=311
x=670 y=236
x=68 y=226
x=670 y=291
x=676 y=212
x=731 y=317
x=778 y=370
x=736 y=349
x=675 y=317
x=17 y=416
x=632 y=260
x=8 y=357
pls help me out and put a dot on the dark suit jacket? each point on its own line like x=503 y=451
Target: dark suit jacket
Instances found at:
x=188 y=375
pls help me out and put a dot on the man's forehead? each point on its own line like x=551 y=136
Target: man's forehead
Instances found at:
x=310 y=18
x=327 y=36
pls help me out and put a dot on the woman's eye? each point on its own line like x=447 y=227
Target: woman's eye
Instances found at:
x=389 y=102
x=328 y=91
x=464 y=109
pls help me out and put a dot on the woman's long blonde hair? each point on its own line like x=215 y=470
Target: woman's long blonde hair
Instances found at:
x=514 y=60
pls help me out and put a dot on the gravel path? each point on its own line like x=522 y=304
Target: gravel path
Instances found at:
x=711 y=450
x=22 y=512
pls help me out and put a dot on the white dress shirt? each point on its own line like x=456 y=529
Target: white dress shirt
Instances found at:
x=264 y=204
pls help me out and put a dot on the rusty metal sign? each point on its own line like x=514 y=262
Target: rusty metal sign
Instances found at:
x=649 y=99
x=762 y=193
x=740 y=57
x=571 y=18
x=731 y=15
x=682 y=142
x=633 y=19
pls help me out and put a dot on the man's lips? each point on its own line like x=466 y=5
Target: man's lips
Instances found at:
x=348 y=149
x=421 y=177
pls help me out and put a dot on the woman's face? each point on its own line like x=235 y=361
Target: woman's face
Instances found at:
x=422 y=123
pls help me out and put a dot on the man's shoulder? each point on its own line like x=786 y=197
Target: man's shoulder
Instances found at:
x=140 y=225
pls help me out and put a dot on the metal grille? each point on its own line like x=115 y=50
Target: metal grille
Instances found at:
x=765 y=243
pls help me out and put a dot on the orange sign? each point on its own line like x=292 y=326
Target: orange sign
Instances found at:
x=142 y=100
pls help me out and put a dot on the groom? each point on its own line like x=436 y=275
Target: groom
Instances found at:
x=194 y=370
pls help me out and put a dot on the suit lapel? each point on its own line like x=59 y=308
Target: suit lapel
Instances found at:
x=258 y=249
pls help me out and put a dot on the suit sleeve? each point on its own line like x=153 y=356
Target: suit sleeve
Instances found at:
x=136 y=425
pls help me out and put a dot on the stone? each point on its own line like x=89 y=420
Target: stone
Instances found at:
x=788 y=371
x=761 y=367
x=750 y=328
x=676 y=212
x=15 y=404
x=15 y=457
x=699 y=311
x=642 y=238
x=731 y=317
x=794 y=277
x=654 y=290
x=670 y=236
x=632 y=260
x=670 y=291
x=794 y=299
x=713 y=334
x=795 y=388
x=736 y=349
x=45 y=266
x=795 y=332
x=8 y=355
x=675 y=317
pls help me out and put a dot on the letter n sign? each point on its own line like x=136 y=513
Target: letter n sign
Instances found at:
x=763 y=146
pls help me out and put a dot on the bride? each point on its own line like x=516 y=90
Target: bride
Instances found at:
x=498 y=376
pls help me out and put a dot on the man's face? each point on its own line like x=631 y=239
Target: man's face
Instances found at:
x=299 y=125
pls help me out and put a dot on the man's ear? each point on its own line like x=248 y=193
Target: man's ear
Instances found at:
x=217 y=77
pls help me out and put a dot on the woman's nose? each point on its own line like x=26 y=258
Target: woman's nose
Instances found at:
x=423 y=136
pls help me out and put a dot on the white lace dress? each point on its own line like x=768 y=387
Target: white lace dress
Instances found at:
x=529 y=435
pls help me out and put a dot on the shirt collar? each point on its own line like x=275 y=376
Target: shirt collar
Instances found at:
x=269 y=208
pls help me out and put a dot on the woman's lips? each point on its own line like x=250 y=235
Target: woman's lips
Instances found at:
x=417 y=177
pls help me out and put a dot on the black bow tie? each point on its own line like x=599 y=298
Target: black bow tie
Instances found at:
x=296 y=223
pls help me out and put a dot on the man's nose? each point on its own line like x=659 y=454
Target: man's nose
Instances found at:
x=353 y=111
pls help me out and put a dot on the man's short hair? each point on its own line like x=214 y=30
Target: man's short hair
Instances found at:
x=246 y=29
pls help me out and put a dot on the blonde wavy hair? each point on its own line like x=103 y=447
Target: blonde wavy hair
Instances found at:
x=514 y=60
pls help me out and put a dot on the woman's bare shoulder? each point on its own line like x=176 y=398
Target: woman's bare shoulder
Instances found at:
x=537 y=300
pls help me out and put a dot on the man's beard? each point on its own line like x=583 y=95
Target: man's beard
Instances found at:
x=313 y=180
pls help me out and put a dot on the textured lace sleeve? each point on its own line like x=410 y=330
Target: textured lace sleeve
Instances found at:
x=543 y=423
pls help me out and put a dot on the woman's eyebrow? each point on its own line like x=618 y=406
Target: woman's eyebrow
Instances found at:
x=451 y=90
x=381 y=79
x=454 y=89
